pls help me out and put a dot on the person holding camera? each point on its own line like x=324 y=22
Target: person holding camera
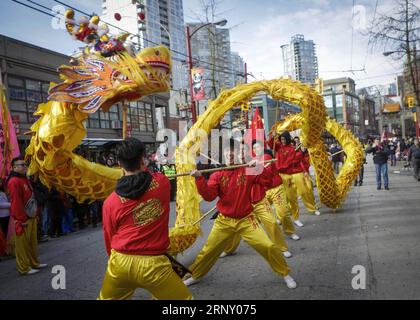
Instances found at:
x=380 y=153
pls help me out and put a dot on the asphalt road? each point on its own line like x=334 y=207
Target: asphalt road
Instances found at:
x=378 y=230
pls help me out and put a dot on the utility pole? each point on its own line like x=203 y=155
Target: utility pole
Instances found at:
x=402 y=111
x=190 y=66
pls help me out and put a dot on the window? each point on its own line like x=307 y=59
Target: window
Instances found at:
x=141 y=118
x=94 y=120
x=339 y=100
x=25 y=96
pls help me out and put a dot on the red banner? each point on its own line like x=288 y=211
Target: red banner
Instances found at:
x=16 y=124
x=197 y=75
x=256 y=131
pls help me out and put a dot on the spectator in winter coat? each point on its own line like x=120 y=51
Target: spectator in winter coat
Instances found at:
x=336 y=157
x=380 y=153
x=23 y=213
x=414 y=157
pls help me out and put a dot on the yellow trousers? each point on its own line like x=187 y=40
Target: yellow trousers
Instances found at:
x=277 y=197
x=294 y=185
x=26 y=247
x=125 y=273
x=250 y=230
x=262 y=211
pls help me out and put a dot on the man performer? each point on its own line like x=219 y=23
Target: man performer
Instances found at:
x=135 y=222
x=262 y=207
x=26 y=241
x=233 y=187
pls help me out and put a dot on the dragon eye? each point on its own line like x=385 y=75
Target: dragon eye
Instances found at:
x=157 y=52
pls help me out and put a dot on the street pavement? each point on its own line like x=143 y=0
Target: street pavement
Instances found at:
x=377 y=230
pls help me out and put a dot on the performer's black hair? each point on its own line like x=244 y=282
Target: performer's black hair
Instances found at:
x=269 y=152
x=130 y=153
x=20 y=158
x=287 y=136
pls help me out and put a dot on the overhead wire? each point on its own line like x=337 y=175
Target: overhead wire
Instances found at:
x=209 y=67
x=214 y=66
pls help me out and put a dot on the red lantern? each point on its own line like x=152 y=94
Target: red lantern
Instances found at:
x=141 y=15
x=117 y=16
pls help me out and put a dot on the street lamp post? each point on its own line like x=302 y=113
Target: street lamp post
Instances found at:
x=190 y=63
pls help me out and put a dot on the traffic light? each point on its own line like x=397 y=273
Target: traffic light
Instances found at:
x=410 y=102
x=319 y=85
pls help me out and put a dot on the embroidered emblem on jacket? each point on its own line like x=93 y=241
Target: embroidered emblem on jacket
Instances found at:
x=224 y=181
x=241 y=180
x=147 y=212
x=153 y=185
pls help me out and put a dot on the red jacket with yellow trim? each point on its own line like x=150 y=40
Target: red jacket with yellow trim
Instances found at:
x=234 y=188
x=139 y=226
x=258 y=190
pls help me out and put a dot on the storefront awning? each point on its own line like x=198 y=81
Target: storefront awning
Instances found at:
x=98 y=142
x=391 y=107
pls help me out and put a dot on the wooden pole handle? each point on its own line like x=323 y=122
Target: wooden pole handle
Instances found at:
x=201 y=218
x=217 y=169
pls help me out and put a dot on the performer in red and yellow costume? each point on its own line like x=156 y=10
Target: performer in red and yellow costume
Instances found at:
x=306 y=162
x=234 y=189
x=291 y=170
x=135 y=222
x=262 y=206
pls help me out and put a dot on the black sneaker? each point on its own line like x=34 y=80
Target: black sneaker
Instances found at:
x=386 y=188
x=378 y=188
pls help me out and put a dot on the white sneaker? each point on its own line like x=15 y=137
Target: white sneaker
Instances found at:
x=317 y=213
x=41 y=265
x=287 y=254
x=295 y=237
x=225 y=254
x=190 y=281
x=298 y=223
x=32 y=271
x=290 y=283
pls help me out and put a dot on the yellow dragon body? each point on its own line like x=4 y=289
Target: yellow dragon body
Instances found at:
x=312 y=120
x=100 y=81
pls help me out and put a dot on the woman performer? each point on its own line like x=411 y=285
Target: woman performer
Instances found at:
x=291 y=170
x=233 y=187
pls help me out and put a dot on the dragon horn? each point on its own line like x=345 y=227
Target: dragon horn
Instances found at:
x=69 y=14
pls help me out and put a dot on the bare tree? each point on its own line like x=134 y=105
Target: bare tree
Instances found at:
x=209 y=13
x=398 y=33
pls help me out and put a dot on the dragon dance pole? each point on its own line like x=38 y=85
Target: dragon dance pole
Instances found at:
x=202 y=217
x=334 y=154
x=218 y=169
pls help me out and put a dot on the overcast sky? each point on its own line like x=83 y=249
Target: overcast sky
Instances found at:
x=258 y=29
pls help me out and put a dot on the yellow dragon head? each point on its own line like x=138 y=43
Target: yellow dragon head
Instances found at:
x=99 y=82
x=108 y=71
